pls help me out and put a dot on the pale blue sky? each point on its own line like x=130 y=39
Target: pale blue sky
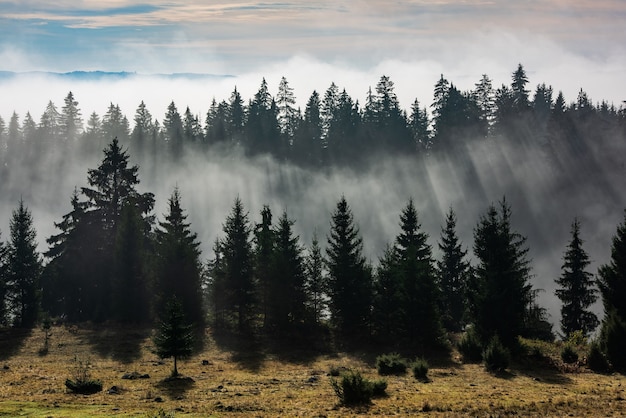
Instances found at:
x=235 y=37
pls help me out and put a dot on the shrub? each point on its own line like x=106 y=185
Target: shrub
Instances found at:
x=391 y=364
x=596 y=360
x=496 y=356
x=379 y=388
x=83 y=382
x=568 y=354
x=353 y=389
x=420 y=369
x=577 y=338
x=470 y=347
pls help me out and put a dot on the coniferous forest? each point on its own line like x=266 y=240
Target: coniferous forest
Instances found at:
x=478 y=178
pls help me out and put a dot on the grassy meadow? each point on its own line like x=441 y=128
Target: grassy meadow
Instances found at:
x=235 y=377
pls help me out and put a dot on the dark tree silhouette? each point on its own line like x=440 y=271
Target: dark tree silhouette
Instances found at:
x=23 y=269
x=175 y=335
x=500 y=290
x=350 y=282
x=612 y=283
x=453 y=274
x=576 y=288
x=178 y=262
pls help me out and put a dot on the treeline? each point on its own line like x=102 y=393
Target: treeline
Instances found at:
x=113 y=260
x=333 y=128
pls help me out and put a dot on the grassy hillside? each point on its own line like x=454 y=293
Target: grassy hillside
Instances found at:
x=239 y=379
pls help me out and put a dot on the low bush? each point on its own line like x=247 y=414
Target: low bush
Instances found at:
x=420 y=369
x=497 y=357
x=82 y=382
x=353 y=389
x=568 y=354
x=393 y=363
x=470 y=347
x=596 y=360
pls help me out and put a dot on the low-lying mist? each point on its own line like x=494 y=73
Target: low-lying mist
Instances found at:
x=479 y=174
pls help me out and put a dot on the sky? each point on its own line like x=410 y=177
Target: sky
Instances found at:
x=570 y=44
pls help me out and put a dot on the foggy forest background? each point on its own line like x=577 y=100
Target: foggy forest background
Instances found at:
x=554 y=158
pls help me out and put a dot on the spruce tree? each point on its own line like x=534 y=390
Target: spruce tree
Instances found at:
x=236 y=262
x=3 y=283
x=175 y=335
x=612 y=284
x=316 y=281
x=350 y=281
x=178 y=262
x=264 y=237
x=452 y=273
x=576 y=288
x=130 y=282
x=500 y=290
x=287 y=296
x=24 y=268
x=421 y=321
x=387 y=308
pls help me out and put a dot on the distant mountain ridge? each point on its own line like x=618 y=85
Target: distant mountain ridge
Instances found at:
x=108 y=75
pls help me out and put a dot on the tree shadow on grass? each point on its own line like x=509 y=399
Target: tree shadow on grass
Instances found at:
x=12 y=340
x=119 y=342
x=176 y=387
x=246 y=349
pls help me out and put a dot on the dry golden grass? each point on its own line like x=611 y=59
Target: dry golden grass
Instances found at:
x=250 y=383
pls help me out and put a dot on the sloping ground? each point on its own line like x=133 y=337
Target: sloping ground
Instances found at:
x=251 y=383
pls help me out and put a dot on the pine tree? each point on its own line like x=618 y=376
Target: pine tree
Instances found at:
x=173 y=128
x=453 y=273
x=387 y=307
x=3 y=283
x=175 y=335
x=419 y=126
x=24 y=268
x=115 y=125
x=130 y=288
x=263 y=251
x=236 y=266
x=287 y=296
x=285 y=101
x=141 y=131
x=420 y=322
x=91 y=258
x=612 y=284
x=71 y=121
x=576 y=288
x=316 y=281
x=350 y=282
x=500 y=290
x=64 y=293
x=178 y=262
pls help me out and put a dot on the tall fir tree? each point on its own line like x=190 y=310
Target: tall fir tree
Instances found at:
x=420 y=321
x=387 y=307
x=264 y=239
x=24 y=268
x=500 y=290
x=130 y=288
x=576 y=288
x=316 y=282
x=349 y=275
x=178 y=262
x=287 y=296
x=453 y=272
x=4 y=317
x=612 y=284
x=235 y=267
